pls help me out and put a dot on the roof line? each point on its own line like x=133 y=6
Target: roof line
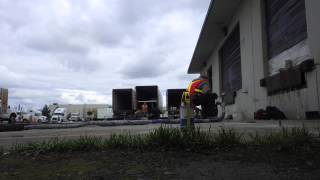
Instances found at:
x=201 y=32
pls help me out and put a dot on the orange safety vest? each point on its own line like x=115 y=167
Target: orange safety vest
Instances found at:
x=198 y=86
x=144 y=108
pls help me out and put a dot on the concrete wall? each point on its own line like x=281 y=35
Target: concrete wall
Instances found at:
x=255 y=65
x=251 y=96
x=296 y=103
x=313 y=28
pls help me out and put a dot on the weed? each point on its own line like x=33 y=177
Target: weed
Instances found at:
x=228 y=137
x=284 y=139
x=165 y=137
x=173 y=138
x=19 y=148
x=125 y=141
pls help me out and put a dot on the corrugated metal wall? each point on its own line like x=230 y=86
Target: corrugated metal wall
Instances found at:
x=231 y=63
x=286 y=24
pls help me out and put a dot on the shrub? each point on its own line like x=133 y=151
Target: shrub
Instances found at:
x=228 y=137
x=286 y=138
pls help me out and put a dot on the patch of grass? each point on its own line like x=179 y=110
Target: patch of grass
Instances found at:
x=84 y=143
x=228 y=137
x=174 y=138
x=286 y=138
x=125 y=141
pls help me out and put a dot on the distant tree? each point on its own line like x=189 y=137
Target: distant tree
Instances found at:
x=89 y=113
x=46 y=111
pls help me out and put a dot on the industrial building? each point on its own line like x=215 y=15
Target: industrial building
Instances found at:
x=262 y=53
x=82 y=109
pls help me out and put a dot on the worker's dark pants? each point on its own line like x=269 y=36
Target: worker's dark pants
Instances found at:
x=207 y=103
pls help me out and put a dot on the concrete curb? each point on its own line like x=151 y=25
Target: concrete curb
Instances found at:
x=119 y=122
x=11 y=127
x=115 y=123
x=53 y=126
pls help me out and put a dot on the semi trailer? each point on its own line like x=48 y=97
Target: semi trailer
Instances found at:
x=151 y=96
x=174 y=102
x=123 y=103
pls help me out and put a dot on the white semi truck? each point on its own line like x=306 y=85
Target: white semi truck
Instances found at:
x=32 y=116
x=59 y=115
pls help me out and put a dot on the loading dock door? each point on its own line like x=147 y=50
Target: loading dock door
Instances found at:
x=209 y=73
x=231 y=79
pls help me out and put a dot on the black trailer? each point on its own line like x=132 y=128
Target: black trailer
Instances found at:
x=152 y=97
x=123 y=103
x=174 y=101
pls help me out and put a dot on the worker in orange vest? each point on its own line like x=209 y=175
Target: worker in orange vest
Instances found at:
x=201 y=95
x=144 y=109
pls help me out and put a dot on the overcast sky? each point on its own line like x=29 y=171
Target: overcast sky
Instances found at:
x=77 y=51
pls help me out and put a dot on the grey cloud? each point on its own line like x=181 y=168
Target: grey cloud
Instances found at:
x=14 y=14
x=88 y=47
x=79 y=97
x=33 y=96
x=149 y=66
x=185 y=77
x=142 y=71
x=8 y=78
x=80 y=63
x=55 y=45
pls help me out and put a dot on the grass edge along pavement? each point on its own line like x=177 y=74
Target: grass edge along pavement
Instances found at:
x=287 y=139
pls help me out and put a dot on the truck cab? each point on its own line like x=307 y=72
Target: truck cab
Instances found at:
x=59 y=115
